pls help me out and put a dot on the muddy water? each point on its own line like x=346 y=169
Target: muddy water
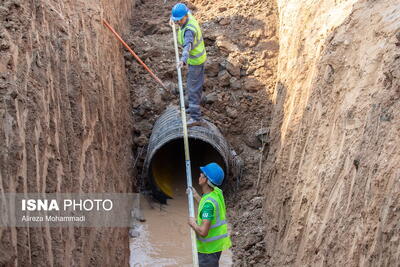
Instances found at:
x=165 y=238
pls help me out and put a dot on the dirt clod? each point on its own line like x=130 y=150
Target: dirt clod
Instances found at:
x=224 y=78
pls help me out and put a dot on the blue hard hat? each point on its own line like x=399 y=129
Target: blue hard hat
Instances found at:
x=179 y=11
x=214 y=173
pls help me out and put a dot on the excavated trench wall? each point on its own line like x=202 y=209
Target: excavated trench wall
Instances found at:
x=332 y=189
x=65 y=121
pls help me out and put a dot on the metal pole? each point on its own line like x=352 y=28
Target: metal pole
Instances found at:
x=186 y=144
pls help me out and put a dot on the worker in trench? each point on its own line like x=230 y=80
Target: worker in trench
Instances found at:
x=211 y=227
x=194 y=55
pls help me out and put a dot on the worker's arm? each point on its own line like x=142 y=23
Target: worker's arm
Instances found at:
x=201 y=230
x=187 y=45
x=206 y=215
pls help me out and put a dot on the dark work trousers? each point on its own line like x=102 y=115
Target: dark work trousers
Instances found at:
x=195 y=80
x=209 y=260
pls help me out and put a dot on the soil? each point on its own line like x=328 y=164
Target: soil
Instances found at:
x=306 y=93
x=65 y=122
x=332 y=182
x=242 y=49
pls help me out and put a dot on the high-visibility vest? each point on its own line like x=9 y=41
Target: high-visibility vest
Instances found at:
x=197 y=54
x=217 y=238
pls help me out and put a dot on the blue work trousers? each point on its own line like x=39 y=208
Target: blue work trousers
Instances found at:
x=209 y=260
x=195 y=80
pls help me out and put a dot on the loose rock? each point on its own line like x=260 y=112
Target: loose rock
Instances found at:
x=328 y=76
x=224 y=22
x=144 y=127
x=224 y=78
x=212 y=68
x=226 y=45
x=233 y=67
x=231 y=112
x=252 y=84
x=235 y=84
x=141 y=140
x=211 y=98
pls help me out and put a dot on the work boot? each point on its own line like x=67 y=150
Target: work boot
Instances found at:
x=192 y=122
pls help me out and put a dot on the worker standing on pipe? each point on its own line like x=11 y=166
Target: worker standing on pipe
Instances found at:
x=194 y=54
x=210 y=227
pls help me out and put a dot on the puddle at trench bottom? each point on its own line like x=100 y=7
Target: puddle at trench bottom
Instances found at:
x=165 y=237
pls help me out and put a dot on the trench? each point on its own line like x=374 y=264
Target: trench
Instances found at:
x=65 y=104
x=164 y=240
x=239 y=78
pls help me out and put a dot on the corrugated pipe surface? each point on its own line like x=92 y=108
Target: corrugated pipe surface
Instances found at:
x=165 y=160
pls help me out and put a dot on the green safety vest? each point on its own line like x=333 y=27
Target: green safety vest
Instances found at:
x=197 y=55
x=217 y=238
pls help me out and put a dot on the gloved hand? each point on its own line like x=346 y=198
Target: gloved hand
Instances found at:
x=171 y=22
x=180 y=64
x=188 y=190
x=195 y=194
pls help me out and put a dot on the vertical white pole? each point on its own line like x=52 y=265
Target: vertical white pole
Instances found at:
x=186 y=144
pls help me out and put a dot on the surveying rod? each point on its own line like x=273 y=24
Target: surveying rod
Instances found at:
x=186 y=144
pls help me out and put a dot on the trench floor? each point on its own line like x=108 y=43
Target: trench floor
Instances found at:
x=164 y=238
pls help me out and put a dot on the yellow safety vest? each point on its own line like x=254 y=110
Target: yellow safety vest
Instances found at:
x=197 y=55
x=217 y=238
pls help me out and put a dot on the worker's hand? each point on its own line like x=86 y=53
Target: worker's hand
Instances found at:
x=180 y=65
x=188 y=190
x=171 y=22
x=192 y=222
x=195 y=194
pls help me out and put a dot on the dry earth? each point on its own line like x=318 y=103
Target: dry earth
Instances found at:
x=65 y=122
x=318 y=81
x=333 y=182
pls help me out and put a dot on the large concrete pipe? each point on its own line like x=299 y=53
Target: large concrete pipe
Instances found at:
x=165 y=162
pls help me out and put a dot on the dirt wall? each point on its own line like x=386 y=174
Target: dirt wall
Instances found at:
x=65 y=122
x=332 y=184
